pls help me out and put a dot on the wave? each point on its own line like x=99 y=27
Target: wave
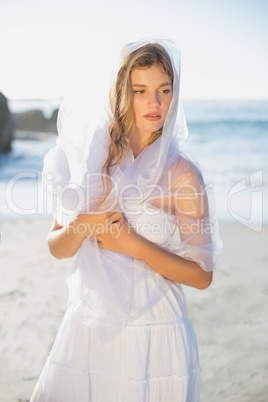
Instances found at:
x=229 y=122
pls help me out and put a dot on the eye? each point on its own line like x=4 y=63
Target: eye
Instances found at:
x=165 y=91
x=141 y=91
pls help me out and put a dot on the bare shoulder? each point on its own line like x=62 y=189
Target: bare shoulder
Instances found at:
x=186 y=172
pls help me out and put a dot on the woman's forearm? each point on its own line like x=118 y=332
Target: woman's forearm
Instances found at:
x=172 y=266
x=64 y=242
x=126 y=240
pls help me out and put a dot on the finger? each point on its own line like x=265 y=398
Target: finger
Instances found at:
x=122 y=221
x=115 y=217
x=116 y=228
x=98 y=240
x=118 y=223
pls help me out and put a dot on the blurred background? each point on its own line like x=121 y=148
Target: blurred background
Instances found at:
x=47 y=49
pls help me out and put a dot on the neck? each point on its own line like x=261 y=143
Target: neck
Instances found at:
x=138 y=143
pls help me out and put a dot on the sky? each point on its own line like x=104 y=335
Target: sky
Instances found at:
x=50 y=46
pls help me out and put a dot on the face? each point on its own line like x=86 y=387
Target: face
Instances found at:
x=152 y=95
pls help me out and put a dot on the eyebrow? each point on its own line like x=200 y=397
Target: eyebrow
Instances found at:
x=143 y=86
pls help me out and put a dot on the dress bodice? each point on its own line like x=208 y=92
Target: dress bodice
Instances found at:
x=153 y=224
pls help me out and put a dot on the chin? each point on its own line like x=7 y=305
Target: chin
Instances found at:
x=154 y=127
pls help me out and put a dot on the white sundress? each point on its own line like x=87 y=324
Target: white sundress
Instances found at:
x=153 y=359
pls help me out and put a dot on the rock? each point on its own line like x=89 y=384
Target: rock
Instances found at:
x=34 y=120
x=7 y=125
x=52 y=122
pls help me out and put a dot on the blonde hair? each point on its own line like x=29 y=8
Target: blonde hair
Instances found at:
x=121 y=98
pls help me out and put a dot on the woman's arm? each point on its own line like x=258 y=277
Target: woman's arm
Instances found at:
x=173 y=267
x=64 y=242
x=189 y=201
x=166 y=263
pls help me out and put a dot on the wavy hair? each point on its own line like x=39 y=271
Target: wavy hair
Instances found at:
x=121 y=98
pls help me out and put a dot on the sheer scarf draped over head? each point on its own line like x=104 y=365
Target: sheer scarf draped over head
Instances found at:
x=105 y=286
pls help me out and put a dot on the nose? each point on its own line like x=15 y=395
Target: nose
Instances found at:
x=154 y=99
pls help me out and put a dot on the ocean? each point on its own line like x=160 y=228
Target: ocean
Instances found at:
x=229 y=139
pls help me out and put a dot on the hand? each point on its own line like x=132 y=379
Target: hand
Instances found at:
x=94 y=224
x=121 y=238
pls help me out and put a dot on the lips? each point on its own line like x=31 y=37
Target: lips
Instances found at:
x=152 y=116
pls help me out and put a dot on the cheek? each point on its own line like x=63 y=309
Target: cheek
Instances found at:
x=170 y=100
x=168 y=103
x=137 y=107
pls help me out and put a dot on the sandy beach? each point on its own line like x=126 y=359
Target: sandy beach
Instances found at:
x=229 y=318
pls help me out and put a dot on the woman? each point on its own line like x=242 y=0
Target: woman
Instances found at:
x=135 y=210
